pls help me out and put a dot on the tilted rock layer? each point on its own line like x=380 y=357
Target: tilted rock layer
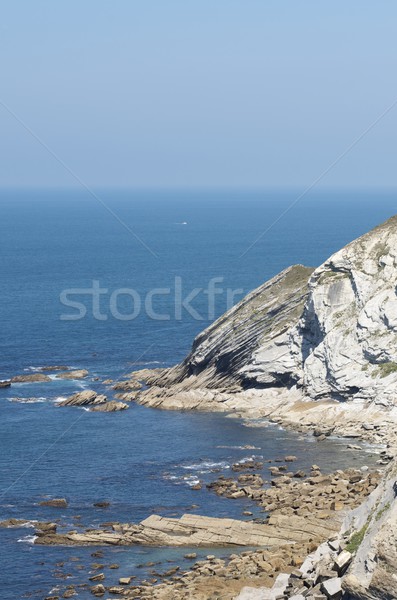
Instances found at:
x=330 y=333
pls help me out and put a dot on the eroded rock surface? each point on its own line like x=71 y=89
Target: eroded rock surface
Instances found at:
x=330 y=334
x=87 y=397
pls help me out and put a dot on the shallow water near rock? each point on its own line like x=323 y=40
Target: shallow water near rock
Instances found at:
x=141 y=461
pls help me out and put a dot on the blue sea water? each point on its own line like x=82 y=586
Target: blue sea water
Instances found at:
x=142 y=460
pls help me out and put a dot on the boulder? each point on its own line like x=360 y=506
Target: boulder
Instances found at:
x=5 y=383
x=98 y=590
x=342 y=561
x=332 y=588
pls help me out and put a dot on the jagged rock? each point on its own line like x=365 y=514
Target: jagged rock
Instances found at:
x=85 y=398
x=111 y=406
x=31 y=378
x=78 y=374
x=342 y=561
x=5 y=383
x=131 y=385
x=127 y=396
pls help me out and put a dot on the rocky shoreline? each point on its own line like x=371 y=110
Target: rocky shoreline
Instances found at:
x=303 y=511
x=314 y=351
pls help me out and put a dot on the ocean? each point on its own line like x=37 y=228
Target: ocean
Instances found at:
x=120 y=283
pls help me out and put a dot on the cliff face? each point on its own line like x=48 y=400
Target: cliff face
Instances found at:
x=331 y=332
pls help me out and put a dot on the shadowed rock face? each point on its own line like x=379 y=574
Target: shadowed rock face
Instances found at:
x=331 y=332
x=221 y=353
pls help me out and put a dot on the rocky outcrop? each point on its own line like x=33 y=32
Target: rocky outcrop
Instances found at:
x=220 y=354
x=78 y=374
x=55 y=503
x=330 y=334
x=88 y=397
x=112 y=406
x=5 y=383
x=371 y=531
x=31 y=378
x=130 y=385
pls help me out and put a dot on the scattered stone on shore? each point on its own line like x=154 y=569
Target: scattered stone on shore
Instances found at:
x=247 y=465
x=85 y=398
x=31 y=378
x=98 y=590
x=78 y=374
x=97 y=577
x=107 y=381
x=102 y=504
x=111 y=406
x=55 y=503
x=318 y=493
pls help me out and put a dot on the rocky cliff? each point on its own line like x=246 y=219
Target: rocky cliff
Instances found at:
x=330 y=333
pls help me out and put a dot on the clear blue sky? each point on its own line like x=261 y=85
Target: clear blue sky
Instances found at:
x=185 y=93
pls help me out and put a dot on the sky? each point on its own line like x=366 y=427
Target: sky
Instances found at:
x=198 y=93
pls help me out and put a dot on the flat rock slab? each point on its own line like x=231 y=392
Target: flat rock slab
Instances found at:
x=196 y=530
x=32 y=378
x=79 y=374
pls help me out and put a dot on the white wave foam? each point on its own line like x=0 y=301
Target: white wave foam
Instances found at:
x=249 y=458
x=53 y=377
x=29 y=524
x=189 y=480
x=29 y=539
x=27 y=400
x=247 y=447
x=206 y=466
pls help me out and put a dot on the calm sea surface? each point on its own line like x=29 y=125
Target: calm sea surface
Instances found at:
x=141 y=275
